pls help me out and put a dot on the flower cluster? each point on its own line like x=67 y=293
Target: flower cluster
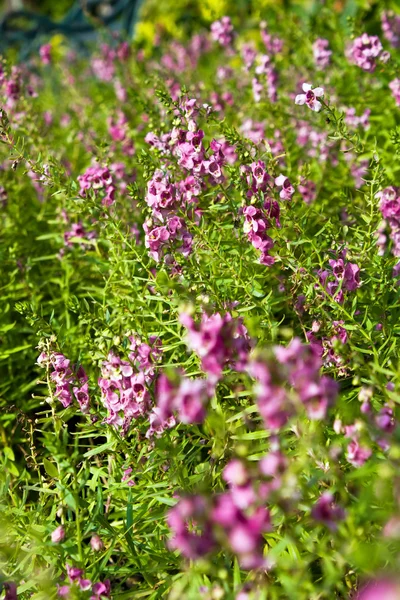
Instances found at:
x=182 y=399
x=219 y=340
x=238 y=518
x=365 y=51
x=293 y=375
x=326 y=347
x=77 y=581
x=77 y=231
x=342 y=277
x=322 y=53
x=391 y=28
x=98 y=179
x=69 y=381
x=354 y=121
x=235 y=519
x=124 y=383
x=390 y=209
x=395 y=89
x=258 y=221
x=222 y=31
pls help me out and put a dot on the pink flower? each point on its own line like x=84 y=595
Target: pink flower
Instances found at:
x=322 y=54
x=58 y=535
x=11 y=591
x=364 y=52
x=287 y=190
x=357 y=455
x=222 y=31
x=327 y=512
x=96 y=543
x=382 y=589
x=45 y=54
x=310 y=97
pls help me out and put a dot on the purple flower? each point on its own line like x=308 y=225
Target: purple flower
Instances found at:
x=58 y=535
x=395 y=88
x=222 y=31
x=391 y=28
x=310 y=97
x=383 y=589
x=327 y=512
x=11 y=591
x=322 y=54
x=191 y=530
x=364 y=52
x=96 y=543
x=287 y=190
x=357 y=455
x=45 y=54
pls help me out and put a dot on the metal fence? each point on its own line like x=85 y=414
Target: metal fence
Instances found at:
x=26 y=30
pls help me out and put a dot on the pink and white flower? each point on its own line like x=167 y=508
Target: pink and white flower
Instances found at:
x=310 y=97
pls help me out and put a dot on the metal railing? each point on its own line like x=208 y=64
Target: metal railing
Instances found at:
x=26 y=30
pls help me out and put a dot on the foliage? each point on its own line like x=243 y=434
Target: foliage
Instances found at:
x=199 y=344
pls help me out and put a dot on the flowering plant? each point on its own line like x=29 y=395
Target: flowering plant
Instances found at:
x=199 y=339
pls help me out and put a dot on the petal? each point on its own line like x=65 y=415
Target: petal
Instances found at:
x=318 y=92
x=280 y=180
x=307 y=87
x=317 y=106
x=300 y=99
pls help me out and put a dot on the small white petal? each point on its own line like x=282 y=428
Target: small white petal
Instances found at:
x=300 y=99
x=317 y=106
x=318 y=92
x=280 y=180
x=307 y=87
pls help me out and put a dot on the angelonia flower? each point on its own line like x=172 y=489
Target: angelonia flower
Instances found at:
x=308 y=190
x=322 y=53
x=67 y=379
x=341 y=274
x=391 y=28
x=10 y=591
x=310 y=97
x=357 y=455
x=315 y=143
x=222 y=31
x=390 y=208
x=183 y=399
x=327 y=512
x=352 y=120
x=272 y=44
x=287 y=190
x=326 y=346
x=124 y=384
x=77 y=582
x=127 y=477
x=58 y=535
x=78 y=230
x=265 y=71
x=96 y=543
x=45 y=54
x=236 y=519
x=395 y=88
x=257 y=221
x=292 y=377
x=219 y=341
x=365 y=51
x=381 y=589
x=98 y=179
